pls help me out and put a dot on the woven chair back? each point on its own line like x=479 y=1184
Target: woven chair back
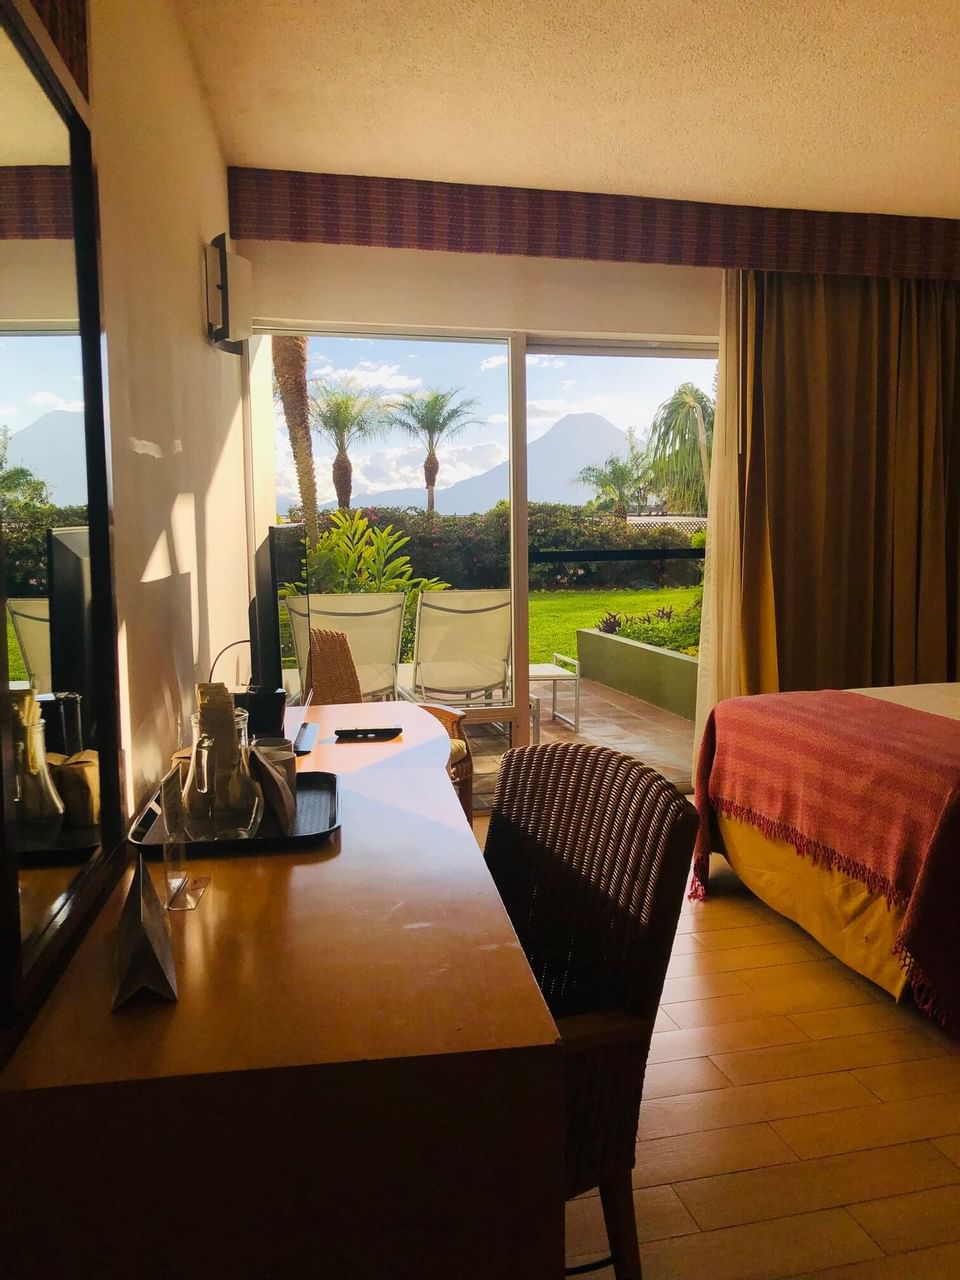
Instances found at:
x=371 y=621
x=590 y=851
x=331 y=670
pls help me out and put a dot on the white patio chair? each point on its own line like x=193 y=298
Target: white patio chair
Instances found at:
x=372 y=623
x=30 y=616
x=461 y=652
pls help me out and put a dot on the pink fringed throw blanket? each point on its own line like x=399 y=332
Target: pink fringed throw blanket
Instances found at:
x=867 y=786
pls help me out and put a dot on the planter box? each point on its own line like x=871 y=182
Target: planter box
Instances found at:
x=662 y=676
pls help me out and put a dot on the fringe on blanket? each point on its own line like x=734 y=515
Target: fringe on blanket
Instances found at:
x=924 y=993
x=819 y=854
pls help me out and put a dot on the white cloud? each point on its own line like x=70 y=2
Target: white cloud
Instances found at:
x=50 y=401
x=402 y=467
x=493 y=362
x=9 y=410
x=546 y=362
x=369 y=374
x=399 y=467
x=497 y=418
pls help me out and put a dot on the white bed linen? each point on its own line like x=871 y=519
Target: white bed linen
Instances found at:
x=937 y=699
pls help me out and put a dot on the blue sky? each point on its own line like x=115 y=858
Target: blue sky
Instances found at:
x=42 y=372
x=625 y=389
x=38 y=372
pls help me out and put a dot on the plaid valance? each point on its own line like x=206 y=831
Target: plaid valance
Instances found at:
x=36 y=202
x=324 y=208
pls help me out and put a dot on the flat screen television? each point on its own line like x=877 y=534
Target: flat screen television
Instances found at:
x=71 y=635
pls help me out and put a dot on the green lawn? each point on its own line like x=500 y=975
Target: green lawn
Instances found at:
x=555 y=616
x=17 y=670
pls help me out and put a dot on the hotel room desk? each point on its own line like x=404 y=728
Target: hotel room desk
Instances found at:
x=360 y=1078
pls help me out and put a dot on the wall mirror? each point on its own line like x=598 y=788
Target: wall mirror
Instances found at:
x=58 y=727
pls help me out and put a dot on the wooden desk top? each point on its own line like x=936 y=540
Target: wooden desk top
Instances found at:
x=389 y=942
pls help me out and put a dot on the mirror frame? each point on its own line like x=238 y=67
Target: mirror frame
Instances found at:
x=27 y=975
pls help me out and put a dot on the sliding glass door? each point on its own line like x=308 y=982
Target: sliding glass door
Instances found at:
x=617 y=449
x=383 y=467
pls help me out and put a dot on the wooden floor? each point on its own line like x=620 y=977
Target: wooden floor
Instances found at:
x=795 y=1123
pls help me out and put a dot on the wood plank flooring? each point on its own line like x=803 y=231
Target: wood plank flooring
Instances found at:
x=796 y=1122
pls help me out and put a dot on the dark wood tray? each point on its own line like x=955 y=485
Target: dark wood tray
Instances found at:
x=318 y=816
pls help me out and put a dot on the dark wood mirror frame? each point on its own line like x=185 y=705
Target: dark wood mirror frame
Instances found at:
x=26 y=975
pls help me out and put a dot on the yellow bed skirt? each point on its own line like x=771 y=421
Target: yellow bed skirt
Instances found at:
x=852 y=923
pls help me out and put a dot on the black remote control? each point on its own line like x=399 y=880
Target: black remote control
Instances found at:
x=380 y=733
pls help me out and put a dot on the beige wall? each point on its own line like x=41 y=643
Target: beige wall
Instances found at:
x=39 y=284
x=174 y=401
x=319 y=285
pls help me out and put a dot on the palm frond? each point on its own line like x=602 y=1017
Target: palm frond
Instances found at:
x=346 y=413
x=681 y=437
x=433 y=416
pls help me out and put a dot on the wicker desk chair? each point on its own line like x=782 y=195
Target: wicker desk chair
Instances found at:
x=332 y=675
x=590 y=851
x=331 y=671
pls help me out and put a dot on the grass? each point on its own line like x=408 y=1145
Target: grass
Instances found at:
x=18 y=670
x=556 y=616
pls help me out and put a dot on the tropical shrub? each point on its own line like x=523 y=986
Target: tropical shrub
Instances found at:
x=25 y=525
x=665 y=628
x=353 y=556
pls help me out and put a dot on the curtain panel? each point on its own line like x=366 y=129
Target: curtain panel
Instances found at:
x=718 y=667
x=849 y=482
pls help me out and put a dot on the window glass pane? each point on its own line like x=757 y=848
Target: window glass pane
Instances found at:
x=408 y=440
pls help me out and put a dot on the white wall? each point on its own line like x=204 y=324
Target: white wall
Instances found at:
x=174 y=401
x=316 y=285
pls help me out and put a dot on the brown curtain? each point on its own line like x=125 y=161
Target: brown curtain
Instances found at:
x=850 y=481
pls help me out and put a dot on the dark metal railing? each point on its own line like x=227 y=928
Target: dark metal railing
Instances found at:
x=596 y=554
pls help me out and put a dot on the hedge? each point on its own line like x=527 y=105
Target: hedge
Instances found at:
x=474 y=551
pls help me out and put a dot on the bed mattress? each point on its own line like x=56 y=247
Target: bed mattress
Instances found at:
x=843 y=915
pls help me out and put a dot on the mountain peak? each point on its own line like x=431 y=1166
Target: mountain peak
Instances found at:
x=575 y=429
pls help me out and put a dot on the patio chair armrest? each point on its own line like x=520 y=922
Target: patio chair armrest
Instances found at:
x=560 y=658
x=587 y=1031
x=450 y=718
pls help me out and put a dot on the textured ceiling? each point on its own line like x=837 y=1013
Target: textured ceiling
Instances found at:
x=827 y=104
x=31 y=132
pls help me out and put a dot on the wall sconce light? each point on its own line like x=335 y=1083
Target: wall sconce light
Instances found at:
x=229 y=296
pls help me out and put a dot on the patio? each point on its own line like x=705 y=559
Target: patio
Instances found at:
x=608 y=718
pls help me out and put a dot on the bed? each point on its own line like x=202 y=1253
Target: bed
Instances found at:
x=861 y=923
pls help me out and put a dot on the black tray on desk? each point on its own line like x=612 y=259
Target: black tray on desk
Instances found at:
x=318 y=816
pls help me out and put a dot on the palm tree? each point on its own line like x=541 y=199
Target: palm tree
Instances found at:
x=432 y=417
x=681 y=436
x=614 y=482
x=643 y=471
x=346 y=413
x=290 y=379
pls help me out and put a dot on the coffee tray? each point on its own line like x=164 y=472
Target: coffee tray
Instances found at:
x=318 y=815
